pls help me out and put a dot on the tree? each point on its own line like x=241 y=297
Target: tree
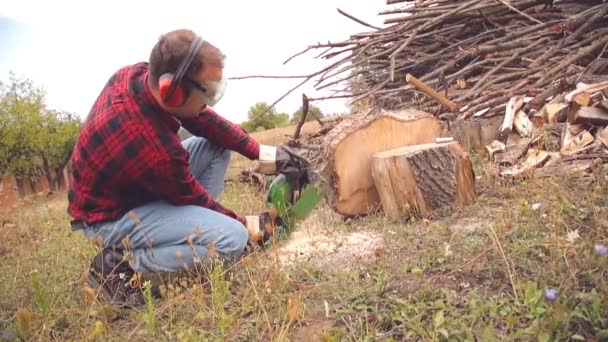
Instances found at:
x=33 y=138
x=61 y=131
x=260 y=118
x=21 y=106
x=313 y=112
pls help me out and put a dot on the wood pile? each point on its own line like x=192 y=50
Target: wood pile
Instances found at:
x=478 y=53
x=569 y=133
x=524 y=80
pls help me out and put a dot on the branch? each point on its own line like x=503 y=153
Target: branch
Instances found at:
x=296 y=135
x=357 y=20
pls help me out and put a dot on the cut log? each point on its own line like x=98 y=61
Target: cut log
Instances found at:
x=421 y=178
x=476 y=133
x=349 y=147
x=591 y=116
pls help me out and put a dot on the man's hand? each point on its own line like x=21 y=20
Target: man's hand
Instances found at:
x=282 y=159
x=285 y=160
x=263 y=226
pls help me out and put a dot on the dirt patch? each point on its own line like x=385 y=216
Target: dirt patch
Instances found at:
x=326 y=246
x=469 y=225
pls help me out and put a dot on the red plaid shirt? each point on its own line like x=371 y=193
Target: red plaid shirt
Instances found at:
x=129 y=153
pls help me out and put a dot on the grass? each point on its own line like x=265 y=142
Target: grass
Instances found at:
x=477 y=274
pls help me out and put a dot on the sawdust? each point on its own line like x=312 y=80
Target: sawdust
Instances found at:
x=324 y=245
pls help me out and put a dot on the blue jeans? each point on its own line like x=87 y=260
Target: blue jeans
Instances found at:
x=161 y=237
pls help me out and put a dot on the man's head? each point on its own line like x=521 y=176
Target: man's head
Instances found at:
x=203 y=81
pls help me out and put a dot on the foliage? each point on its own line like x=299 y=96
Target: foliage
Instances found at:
x=260 y=118
x=313 y=112
x=32 y=136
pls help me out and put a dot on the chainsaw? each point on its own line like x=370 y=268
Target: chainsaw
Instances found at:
x=292 y=198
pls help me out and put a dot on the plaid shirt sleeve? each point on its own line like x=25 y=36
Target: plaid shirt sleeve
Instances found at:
x=222 y=132
x=172 y=180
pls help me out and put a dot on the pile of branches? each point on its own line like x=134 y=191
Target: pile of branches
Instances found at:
x=476 y=53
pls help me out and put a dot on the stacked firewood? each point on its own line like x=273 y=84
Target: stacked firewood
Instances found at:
x=569 y=133
x=477 y=53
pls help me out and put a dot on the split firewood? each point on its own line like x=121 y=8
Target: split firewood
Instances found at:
x=575 y=144
x=495 y=147
x=563 y=169
x=522 y=124
x=555 y=112
x=578 y=101
x=514 y=151
x=576 y=129
x=513 y=106
x=602 y=136
x=591 y=116
x=418 y=179
x=535 y=158
x=548 y=138
x=348 y=150
x=586 y=88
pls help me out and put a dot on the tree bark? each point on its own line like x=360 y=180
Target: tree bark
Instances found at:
x=418 y=179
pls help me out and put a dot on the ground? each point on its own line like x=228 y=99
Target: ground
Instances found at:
x=486 y=272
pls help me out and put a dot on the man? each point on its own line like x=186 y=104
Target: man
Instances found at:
x=147 y=197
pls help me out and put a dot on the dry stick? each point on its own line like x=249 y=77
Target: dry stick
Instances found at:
x=429 y=91
x=373 y=90
x=552 y=51
x=425 y=26
x=296 y=135
x=487 y=75
x=265 y=76
x=357 y=20
x=521 y=33
x=571 y=60
x=504 y=257
x=394 y=54
x=257 y=297
x=520 y=12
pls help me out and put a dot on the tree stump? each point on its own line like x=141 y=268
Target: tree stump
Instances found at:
x=348 y=150
x=421 y=178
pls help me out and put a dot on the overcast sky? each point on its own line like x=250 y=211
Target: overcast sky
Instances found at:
x=72 y=47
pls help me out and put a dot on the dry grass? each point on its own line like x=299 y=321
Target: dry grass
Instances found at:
x=476 y=274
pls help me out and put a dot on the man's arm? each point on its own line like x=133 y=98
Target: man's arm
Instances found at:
x=173 y=181
x=222 y=132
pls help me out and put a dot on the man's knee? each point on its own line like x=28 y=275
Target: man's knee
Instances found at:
x=232 y=243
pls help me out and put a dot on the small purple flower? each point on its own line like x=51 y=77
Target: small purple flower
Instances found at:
x=601 y=250
x=551 y=294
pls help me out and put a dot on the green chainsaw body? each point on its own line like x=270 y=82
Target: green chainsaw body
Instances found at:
x=279 y=196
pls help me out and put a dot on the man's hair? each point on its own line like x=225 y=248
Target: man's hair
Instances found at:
x=171 y=49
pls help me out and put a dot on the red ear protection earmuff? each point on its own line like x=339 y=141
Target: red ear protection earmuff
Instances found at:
x=170 y=85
